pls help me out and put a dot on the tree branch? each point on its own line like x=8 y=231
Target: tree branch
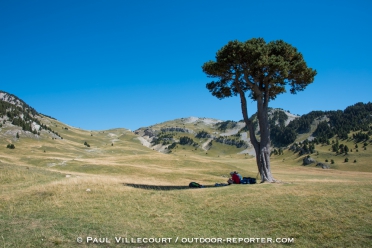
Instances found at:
x=267 y=94
x=248 y=123
x=250 y=83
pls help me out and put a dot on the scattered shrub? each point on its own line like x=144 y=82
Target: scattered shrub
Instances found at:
x=326 y=160
x=10 y=146
x=332 y=161
x=346 y=160
x=354 y=160
x=186 y=141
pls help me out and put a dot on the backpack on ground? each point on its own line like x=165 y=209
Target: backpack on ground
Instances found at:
x=248 y=180
x=195 y=185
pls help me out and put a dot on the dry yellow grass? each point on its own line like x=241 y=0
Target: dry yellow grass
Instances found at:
x=41 y=207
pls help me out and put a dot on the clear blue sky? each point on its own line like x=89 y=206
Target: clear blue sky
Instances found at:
x=106 y=64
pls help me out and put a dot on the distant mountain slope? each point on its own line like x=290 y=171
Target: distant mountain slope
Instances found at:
x=207 y=135
x=15 y=112
x=285 y=130
x=202 y=133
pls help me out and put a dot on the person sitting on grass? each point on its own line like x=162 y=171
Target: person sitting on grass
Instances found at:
x=240 y=177
x=234 y=178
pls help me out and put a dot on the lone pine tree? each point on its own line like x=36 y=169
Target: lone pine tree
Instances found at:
x=262 y=70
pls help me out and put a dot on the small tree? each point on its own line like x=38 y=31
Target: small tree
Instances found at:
x=346 y=150
x=10 y=146
x=332 y=161
x=17 y=136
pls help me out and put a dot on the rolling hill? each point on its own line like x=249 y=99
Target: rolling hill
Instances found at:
x=60 y=183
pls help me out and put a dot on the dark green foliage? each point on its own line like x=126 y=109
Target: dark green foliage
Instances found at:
x=86 y=144
x=353 y=118
x=306 y=147
x=232 y=142
x=277 y=152
x=324 y=130
x=173 y=145
x=359 y=137
x=332 y=161
x=48 y=116
x=326 y=160
x=346 y=150
x=186 y=140
x=311 y=148
x=335 y=146
x=355 y=161
x=282 y=136
x=10 y=146
x=164 y=138
x=278 y=118
x=254 y=60
x=341 y=148
x=202 y=134
x=222 y=126
x=17 y=135
x=302 y=124
x=346 y=160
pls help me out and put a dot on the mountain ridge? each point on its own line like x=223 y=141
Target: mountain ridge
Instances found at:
x=202 y=133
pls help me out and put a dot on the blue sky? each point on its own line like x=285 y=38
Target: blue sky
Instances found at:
x=107 y=64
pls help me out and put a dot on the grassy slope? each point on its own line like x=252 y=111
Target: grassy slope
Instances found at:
x=41 y=207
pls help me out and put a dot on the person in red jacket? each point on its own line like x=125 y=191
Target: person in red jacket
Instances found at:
x=234 y=178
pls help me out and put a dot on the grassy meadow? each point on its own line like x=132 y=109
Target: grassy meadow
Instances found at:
x=53 y=191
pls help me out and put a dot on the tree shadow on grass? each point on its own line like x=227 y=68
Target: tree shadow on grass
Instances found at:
x=163 y=187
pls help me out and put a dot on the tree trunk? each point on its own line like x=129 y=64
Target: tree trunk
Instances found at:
x=263 y=152
x=262 y=147
x=263 y=163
